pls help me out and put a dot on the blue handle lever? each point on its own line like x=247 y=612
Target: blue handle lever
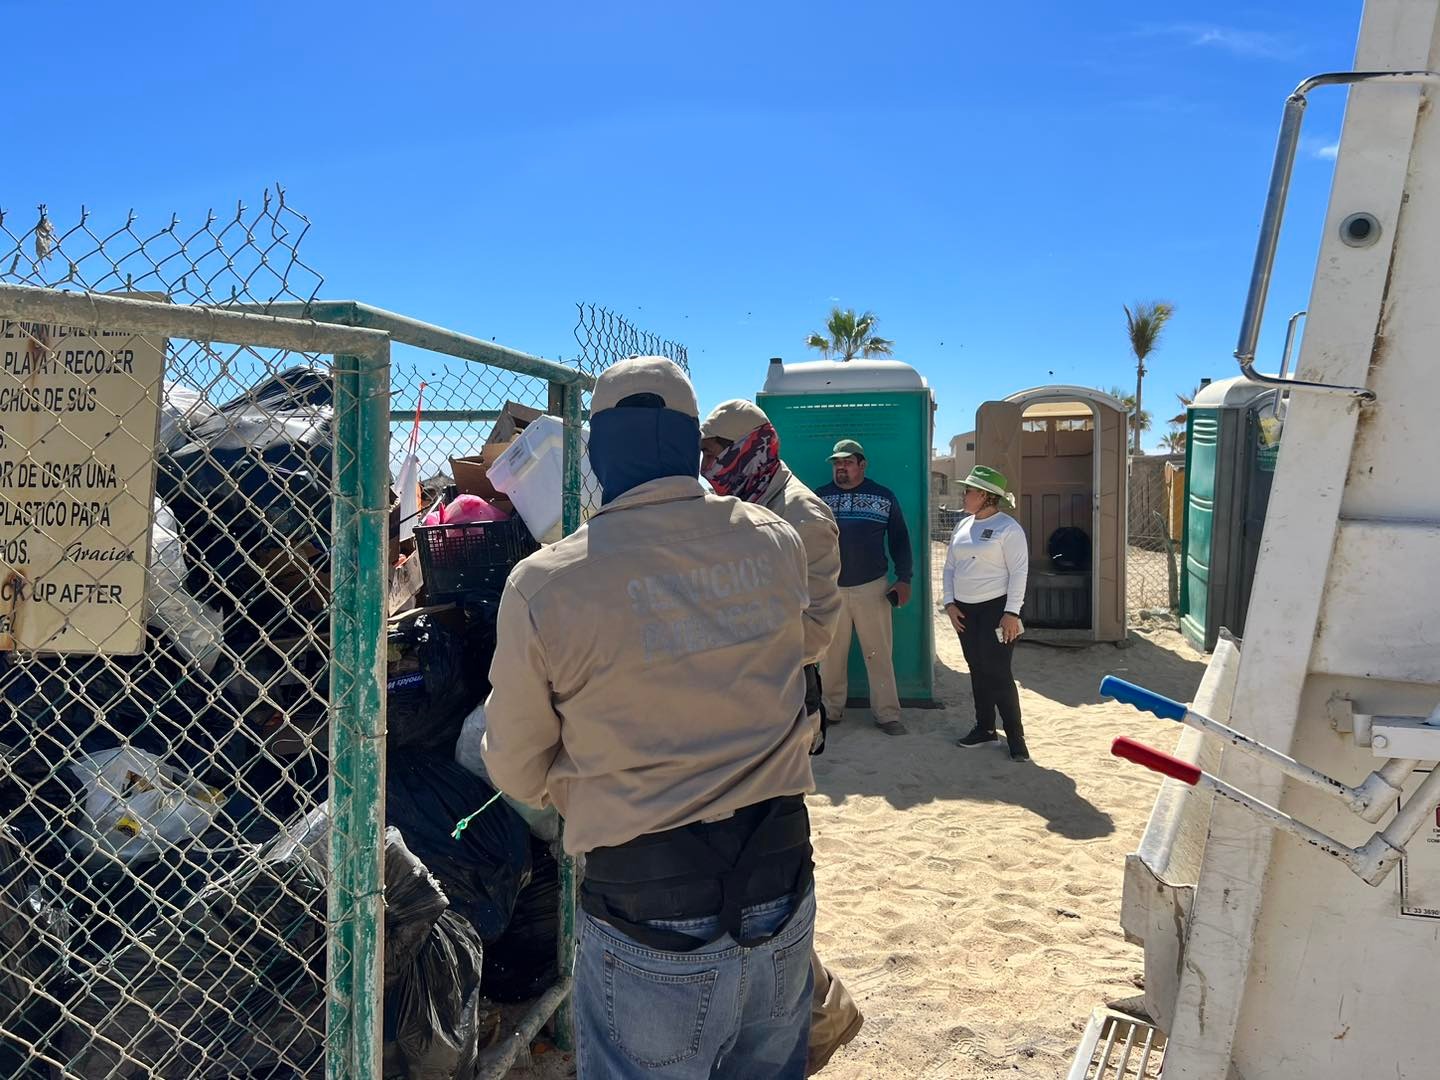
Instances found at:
x=1142 y=699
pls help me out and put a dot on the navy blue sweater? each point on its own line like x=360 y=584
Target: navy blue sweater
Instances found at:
x=867 y=515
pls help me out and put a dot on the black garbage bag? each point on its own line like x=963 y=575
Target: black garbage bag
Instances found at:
x=440 y=1011
x=436 y=673
x=108 y=898
x=38 y=796
x=57 y=707
x=253 y=480
x=413 y=901
x=56 y=711
x=524 y=963
x=232 y=986
x=433 y=961
x=35 y=970
x=481 y=873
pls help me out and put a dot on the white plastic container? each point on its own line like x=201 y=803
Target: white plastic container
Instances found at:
x=532 y=473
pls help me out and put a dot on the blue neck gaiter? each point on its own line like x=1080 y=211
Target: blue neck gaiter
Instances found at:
x=631 y=446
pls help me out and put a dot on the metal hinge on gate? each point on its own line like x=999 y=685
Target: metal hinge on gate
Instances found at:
x=1377 y=793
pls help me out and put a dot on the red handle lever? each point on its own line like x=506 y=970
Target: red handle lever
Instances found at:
x=1156 y=760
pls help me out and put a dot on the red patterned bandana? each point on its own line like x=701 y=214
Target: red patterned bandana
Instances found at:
x=746 y=469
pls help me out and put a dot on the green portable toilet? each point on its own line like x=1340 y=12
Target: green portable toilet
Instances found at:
x=1232 y=441
x=888 y=407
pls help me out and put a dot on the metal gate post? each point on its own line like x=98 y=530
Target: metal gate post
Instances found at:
x=357 y=716
x=572 y=410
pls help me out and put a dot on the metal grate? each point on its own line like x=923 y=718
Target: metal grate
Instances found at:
x=1118 y=1047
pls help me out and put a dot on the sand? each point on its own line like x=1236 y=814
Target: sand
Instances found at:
x=971 y=904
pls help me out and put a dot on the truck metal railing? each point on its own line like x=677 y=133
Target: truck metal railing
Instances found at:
x=1359 y=229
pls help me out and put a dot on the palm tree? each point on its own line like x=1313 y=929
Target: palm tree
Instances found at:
x=1173 y=442
x=850 y=336
x=1186 y=400
x=1144 y=325
x=1139 y=419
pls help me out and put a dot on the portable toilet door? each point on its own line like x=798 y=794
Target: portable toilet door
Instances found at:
x=1232 y=437
x=887 y=407
x=1062 y=449
x=997 y=441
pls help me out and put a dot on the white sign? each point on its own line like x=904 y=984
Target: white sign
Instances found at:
x=79 y=413
x=1420 y=866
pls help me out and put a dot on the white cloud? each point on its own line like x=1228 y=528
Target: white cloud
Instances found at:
x=1255 y=44
x=1321 y=147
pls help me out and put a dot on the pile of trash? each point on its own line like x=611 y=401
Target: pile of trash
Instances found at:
x=164 y=818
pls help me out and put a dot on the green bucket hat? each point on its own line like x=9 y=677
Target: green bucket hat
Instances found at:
x=991 y=480
x=847 y=448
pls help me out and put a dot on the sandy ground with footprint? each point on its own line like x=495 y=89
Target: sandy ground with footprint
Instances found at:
x=971 y=904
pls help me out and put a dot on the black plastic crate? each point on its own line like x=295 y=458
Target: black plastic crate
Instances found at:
x=470 y=561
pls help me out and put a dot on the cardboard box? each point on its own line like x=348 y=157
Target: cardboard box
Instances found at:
x=406 y=585
x=289 y=573
x=514 y=418
x=471 y=473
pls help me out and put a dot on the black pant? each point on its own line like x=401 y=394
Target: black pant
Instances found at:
x=990 y=680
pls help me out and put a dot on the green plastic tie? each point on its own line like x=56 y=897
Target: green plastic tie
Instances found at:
x=460 y=825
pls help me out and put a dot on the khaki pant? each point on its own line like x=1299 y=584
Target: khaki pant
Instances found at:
x=863 y=609
x=834 y=1019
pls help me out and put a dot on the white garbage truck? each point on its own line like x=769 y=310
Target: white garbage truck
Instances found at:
x=1287 y=887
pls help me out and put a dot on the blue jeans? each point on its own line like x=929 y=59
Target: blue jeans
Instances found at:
x=720 y=1011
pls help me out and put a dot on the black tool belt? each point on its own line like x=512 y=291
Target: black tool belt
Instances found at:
x=720 y=868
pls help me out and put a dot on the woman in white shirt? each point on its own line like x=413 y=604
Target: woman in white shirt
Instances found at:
x=984 y=587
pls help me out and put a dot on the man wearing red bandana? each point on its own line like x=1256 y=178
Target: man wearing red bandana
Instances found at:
x=741 y=457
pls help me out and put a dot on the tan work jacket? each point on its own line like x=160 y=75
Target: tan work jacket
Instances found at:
x=811 y=518
x=648 y=668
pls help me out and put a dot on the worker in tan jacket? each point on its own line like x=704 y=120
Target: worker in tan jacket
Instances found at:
x=741 y=457
x=740 y=451
x=648 y=681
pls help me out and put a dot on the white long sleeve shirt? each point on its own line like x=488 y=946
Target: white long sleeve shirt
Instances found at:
x=986 y=559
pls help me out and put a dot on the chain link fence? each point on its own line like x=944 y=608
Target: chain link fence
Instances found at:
x=605 y=337
x=1152 y=557
x=180 y=523
x=195 y=769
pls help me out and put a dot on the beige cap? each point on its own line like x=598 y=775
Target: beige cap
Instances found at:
x=645 y=375
x=733 y=420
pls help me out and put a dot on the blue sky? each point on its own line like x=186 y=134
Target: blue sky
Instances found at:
x=993 y=180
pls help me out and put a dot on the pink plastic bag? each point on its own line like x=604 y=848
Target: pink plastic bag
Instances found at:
x=470 y=508
x=465 y=510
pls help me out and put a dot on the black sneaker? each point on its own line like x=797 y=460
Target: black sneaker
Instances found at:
x=976 y=738
x=1018 y=752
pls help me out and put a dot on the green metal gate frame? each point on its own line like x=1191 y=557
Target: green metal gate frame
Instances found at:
x=567 y=389
x=361 y=507
x=357 y=337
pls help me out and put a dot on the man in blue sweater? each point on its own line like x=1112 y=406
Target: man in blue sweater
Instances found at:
x=869 y=516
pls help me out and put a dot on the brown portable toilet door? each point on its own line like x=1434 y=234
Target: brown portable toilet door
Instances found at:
x=998 y=443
